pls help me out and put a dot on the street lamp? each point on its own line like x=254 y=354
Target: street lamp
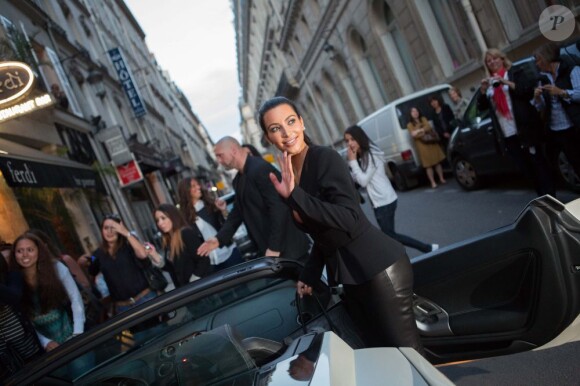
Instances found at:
x=95 y=78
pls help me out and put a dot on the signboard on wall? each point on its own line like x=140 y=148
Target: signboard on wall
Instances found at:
x=126 y=79
x=129 y=173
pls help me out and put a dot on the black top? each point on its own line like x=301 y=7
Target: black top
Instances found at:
x=264 y=213
x=188 y=262
x=123 y=273
x=326 y=200
x=11 y=288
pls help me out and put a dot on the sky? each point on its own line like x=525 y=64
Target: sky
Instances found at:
x=195 y=42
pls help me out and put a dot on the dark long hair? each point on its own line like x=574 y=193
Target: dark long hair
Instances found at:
x=411 y=119
x=121 y=241
x=49 y=288
x=364 y=142
x=275 y=102
x=173 y=239
x=186 y=205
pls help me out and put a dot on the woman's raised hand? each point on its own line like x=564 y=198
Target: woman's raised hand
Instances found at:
x=286 y=186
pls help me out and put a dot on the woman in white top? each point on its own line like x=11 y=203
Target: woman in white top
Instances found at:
x=49 y=290
x=209 y=215
x=366 y=164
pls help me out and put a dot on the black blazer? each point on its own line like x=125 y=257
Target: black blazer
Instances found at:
x=526 y=117
x=264 y=213
x=326 y=200
x=188 y=262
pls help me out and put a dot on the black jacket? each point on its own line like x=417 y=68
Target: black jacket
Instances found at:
x=188 y=262
x=344 y=239
x=527 y=118
x=264 y=213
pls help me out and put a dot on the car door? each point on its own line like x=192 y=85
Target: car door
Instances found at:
x=478 y=141
x=512 y=289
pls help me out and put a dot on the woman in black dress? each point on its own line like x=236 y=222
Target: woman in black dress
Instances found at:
x=374 y=269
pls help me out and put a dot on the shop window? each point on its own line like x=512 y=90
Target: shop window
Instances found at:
x=44 y=209
x=57 y=78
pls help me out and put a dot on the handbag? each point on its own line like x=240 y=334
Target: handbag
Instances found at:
x=154 y=276
x=430 y=136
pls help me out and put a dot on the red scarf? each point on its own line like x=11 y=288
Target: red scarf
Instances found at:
x=499 y=98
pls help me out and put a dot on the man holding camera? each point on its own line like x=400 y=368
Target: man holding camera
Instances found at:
x=508 y=90
x=558 y=96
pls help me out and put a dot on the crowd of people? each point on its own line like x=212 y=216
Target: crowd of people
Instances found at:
x=307 y=210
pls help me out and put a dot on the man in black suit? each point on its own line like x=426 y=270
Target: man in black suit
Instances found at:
x=258 y=205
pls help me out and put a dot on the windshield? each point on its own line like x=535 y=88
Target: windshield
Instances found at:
x=192 y=342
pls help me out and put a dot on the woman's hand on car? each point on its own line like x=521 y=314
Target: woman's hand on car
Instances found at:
x=303 y=289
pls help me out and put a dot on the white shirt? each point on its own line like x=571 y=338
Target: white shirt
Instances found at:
x=218 y=255
x=76 y=301
x=375 y=179
x=508 y=126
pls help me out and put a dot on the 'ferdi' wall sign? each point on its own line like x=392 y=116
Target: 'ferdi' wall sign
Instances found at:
x=16 y=81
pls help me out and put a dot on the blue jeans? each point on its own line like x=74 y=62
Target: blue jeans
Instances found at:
x=386 y=219
x=149 y=296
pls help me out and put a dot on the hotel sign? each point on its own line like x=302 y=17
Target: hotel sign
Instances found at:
x=126 y=79
x=16 y=85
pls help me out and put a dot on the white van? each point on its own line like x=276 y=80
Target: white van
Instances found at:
x=387 y=128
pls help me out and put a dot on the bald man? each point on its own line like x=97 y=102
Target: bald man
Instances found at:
x=258 y=205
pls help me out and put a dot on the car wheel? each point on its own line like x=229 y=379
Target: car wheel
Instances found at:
x=399 y=180
x=566 y=173
x=465 y=174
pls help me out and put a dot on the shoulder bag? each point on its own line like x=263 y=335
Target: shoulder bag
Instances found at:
x=154 y=276
x=430 y=136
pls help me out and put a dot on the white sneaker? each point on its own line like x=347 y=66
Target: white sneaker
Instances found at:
x=434 y=247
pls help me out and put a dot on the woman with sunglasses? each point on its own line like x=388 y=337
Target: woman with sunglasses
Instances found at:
x=119 y=259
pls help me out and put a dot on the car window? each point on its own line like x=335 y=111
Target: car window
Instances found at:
x=422 y=103
x=472 y=114
x=148 y=350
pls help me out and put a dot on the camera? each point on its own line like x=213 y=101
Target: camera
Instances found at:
x=495 y=83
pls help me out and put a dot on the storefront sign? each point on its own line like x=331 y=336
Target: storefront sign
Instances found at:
x=16 y=81
x=126 y=80
x=31 y=174
x=129 y=173
x=117 y=147
x=26 y=107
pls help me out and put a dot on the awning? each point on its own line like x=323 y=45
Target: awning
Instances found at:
x=23 y=166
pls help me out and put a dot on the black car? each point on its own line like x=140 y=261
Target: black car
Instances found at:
x=476 y=149
x=507 y=291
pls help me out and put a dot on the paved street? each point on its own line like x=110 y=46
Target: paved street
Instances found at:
x=449 y=214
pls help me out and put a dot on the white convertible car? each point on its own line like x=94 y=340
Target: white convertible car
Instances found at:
x=500 y=308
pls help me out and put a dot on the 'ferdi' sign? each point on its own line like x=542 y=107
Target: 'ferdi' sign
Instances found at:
x=16 y=81
x=126 y=80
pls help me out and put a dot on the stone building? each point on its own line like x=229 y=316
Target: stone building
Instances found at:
x=101 y=129
x=341 y=60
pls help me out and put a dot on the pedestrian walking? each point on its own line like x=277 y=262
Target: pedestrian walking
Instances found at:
x=366 y=164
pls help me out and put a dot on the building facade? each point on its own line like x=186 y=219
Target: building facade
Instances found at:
x=342 y=60
x=114 y=134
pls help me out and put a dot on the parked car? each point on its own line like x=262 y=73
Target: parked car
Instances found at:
x=476 y=149
x=387 y=128
x=509 y=290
